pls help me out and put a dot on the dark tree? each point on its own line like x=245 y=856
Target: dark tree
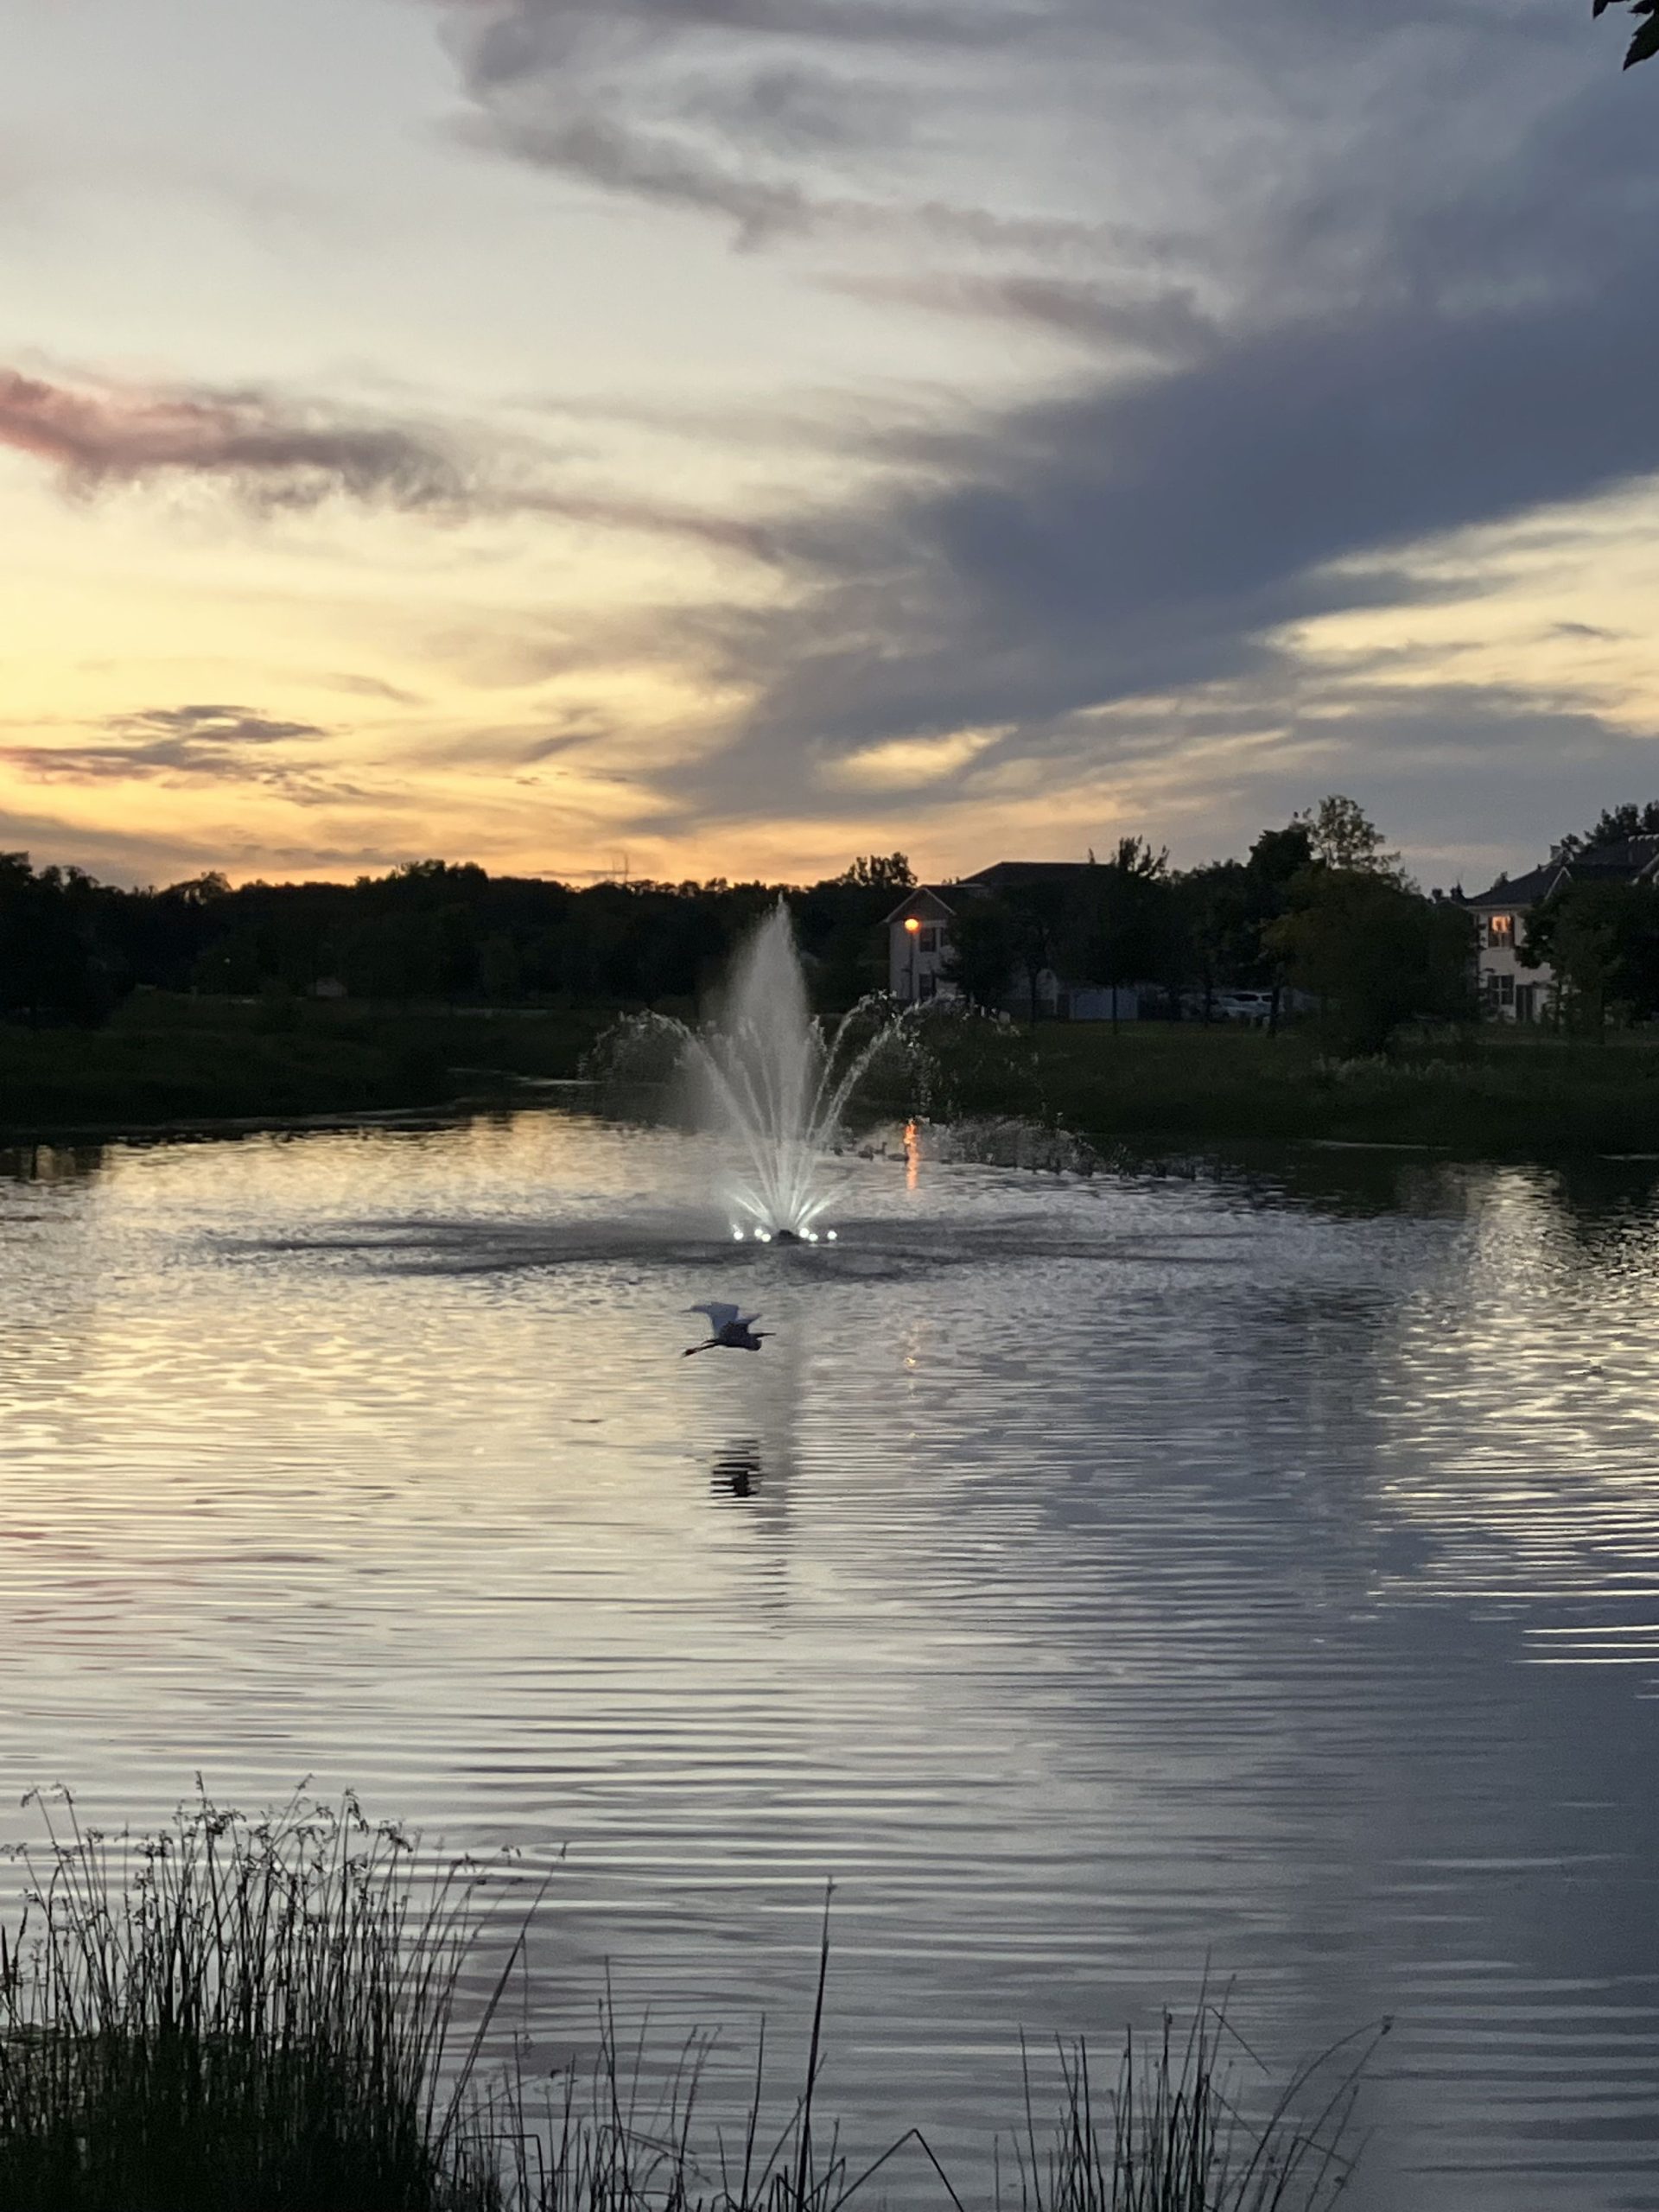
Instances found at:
x=1128 y=921
x=1042 y=917
x=1220 y=932
x=984 y=951
x=1602 y=940
x=51 y=965
x=1617 y=824
x=891 y=874
x=1644 y=40
x=1341 y=834
x=1376 y=955
x=1278 y=860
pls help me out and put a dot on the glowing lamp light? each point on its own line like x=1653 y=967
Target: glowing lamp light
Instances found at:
x=911 y=923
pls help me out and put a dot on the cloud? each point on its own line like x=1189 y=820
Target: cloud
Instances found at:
x=372 y=687
x=670 y=167
x=218 y=725
x=99 y=434
x=1165 y=322
x=275 y=452
x=202 y=743
x=787 y=119
x=1371 y=279
x=1420 y=367
x=514 y=38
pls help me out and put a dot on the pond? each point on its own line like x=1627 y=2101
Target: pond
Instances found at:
x=1105 y=1580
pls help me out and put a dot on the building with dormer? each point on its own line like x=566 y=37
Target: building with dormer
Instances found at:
x=1510 y=989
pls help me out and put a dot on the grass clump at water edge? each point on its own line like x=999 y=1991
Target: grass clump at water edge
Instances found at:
x=235 y=2013
x=261 y=2016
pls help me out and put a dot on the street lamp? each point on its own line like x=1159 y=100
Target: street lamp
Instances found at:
x=912 y=927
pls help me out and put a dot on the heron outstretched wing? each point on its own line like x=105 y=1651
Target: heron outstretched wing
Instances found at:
x=719 y=1317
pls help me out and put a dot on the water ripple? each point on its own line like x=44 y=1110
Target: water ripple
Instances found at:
x=1094 y=1576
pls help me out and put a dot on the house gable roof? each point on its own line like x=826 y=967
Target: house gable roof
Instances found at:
x=1003 y=875
x=1633 y=860
x=1520 y=890
x=926 y=901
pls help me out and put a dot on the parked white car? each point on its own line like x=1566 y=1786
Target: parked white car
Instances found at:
x=1242 y=1005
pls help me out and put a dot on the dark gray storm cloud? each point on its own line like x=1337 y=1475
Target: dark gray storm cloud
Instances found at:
x=1142 y=538
x=1445 y=285
x=1154 y=540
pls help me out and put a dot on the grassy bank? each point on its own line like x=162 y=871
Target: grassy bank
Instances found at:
x=1490 y=1096
x=165 y=1058
x=263 y=2015
x=1494 y=1093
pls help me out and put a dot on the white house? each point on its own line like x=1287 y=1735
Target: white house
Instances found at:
x=918 y=942
x=919 y=946
x=1510 y=990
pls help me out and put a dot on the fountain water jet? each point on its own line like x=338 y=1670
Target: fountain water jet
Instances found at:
x=768 y=1081
x=763 y=1077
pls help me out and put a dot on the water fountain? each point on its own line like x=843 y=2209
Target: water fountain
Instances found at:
x=765 y=1078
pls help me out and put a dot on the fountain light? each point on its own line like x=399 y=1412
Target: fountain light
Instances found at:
x=737 y=1236
x=830 y=1234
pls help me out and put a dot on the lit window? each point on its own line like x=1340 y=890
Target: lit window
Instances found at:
x=1502 y=929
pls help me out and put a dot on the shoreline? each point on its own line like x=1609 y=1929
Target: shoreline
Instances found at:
x=1143 y=1150
x=184 y=1067
x=25 y=1136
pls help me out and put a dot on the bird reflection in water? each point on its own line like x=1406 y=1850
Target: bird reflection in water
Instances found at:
x=736 y=1471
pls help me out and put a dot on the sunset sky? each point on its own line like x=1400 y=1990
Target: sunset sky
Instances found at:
x=723 y=435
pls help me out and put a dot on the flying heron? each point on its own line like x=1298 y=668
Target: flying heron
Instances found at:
x=730 y=1329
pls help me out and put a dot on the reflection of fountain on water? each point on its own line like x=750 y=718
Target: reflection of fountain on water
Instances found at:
x=766 y=1080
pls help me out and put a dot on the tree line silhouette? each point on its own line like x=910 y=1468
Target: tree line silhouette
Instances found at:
x=1318 y=903
x=71 y=948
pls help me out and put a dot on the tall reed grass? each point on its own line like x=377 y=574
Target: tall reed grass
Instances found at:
x=252 y=2015
x=242 y=2015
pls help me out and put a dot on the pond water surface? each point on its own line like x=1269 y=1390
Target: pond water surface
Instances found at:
x=1096 y=1577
